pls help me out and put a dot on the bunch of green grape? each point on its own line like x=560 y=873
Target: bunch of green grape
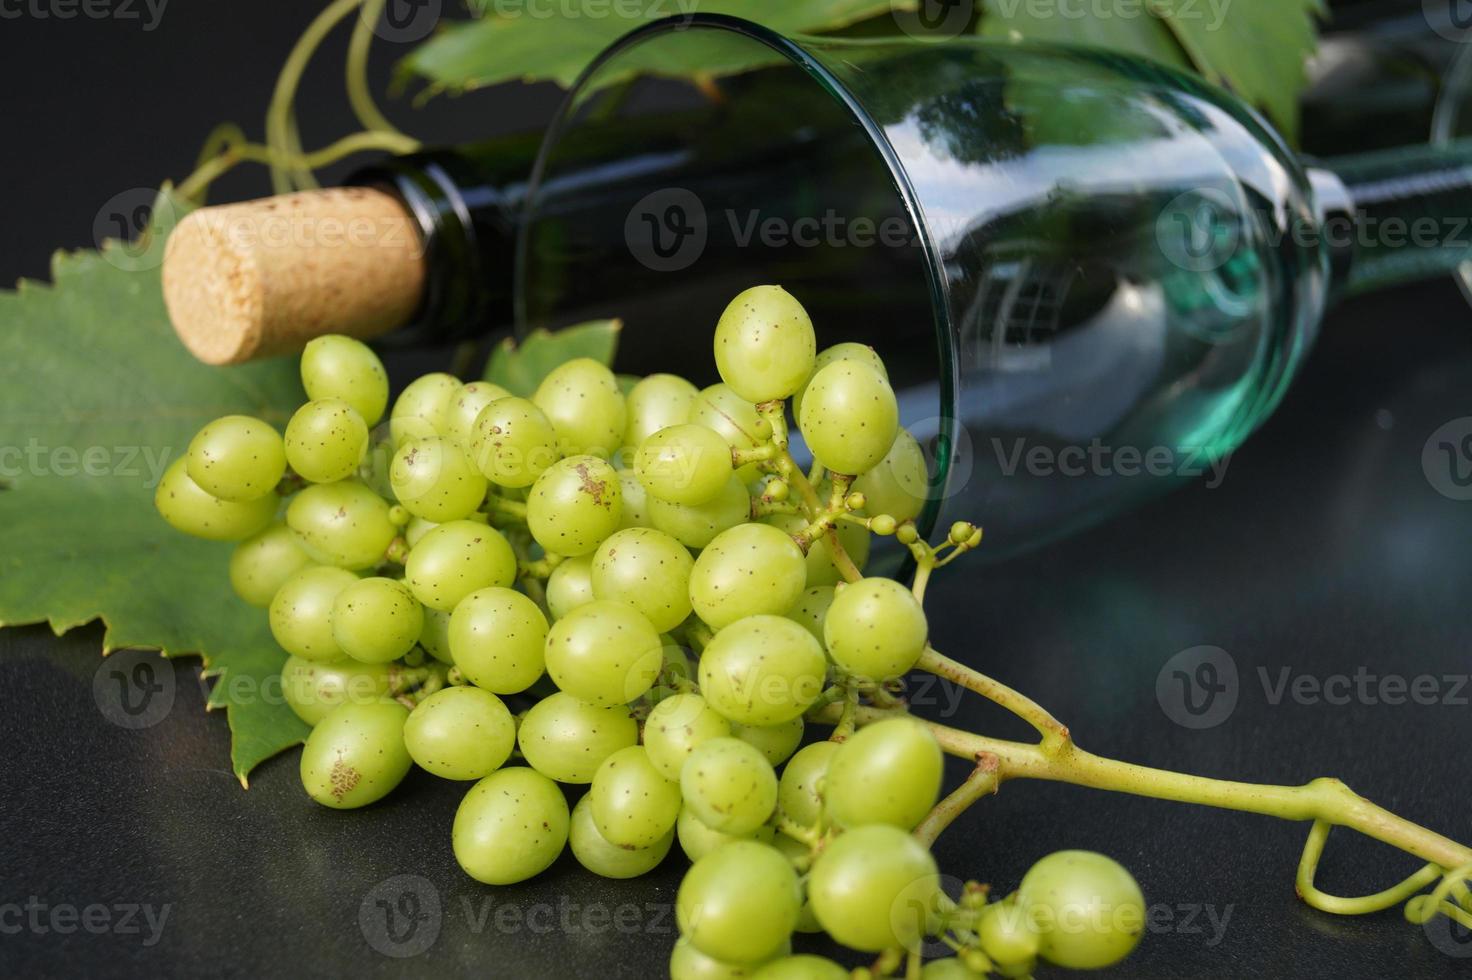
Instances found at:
x=629 y=594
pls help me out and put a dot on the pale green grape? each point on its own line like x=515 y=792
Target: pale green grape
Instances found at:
x=595 y=853
x=574 y=505
x=633 y=804
x=684 y=464
x=434 y=479
x=748 y=570
x=1008 y=937
x=657 y=402
x=776 y=742
x=423 y=408
x=326 y=440
x=416 y=529
x=889 y=772
x=465 y=407
x=356 y=754
x=581 y=399
x=262 y=563
x=735 y=419
x=312 y=688
x=511 y=826
x=689 y=963
x=697 y=840
x=344 y=524
x=821 y=569
x=513 y=442
x=189 y=509
x=847 y=351
x=567 y=740
x=676 y=726
x=635 y=500
x=435 y=636
x=1087 y=909
x=456 y=559
x=729 y=785
x=497 y=636
x=646 y=569
x=950 y=968
x=763 y=670
x=875 y=628
x=764 y=344
x=301 y=612
x=376 y=620
x=804 y=967
x=460 y=733
x=811 y=609
x=849 y=417
x=900 y=484
x=605 y=653
x=739 y=903
x=237 y=458
x=698 y=525
x=799 y=791
x=334 y=366
x=570 y=585
x=862 y=883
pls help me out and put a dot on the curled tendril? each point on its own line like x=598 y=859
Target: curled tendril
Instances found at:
x=1423 y=908
x=1419 y=909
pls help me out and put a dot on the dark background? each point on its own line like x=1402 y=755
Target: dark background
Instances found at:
x=1325 y=551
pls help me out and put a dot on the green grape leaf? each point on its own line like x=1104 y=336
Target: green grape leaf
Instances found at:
x=100 y=397
x=519 y=368
x=1095 y=26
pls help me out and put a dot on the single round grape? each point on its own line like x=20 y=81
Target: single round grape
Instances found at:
x=729 y=785
x=655 y=403
x=334 y=366
x=811 y=609
x=312 y=688
x=465 y=407
x=460 y=733
x=433 y=478
x=862 y=882
x=804 y=967
x=697 y=840
x=435 y=636
x=676 y=726
x=1087 y=909
x=698 y=525
x=900 y=484
x=1008 y=937
x=605 y=653
x=684 y=464
x=326 y=440
x=356 y=754
x=511 y=826
x=570 y=585
x=567 y=740
x=634 y=805
x=423 y=408
x=646 y=569
x=513 y=442
x=456 y=559
x=497 y=637
x=950 y=968
x=886 y=773
x=187 y=508
x=301 y=612
x=581 y=399
x=689 y=963
x=343 y=524
x=739 y=903
x=237 y=458
x=821 y=569
x=262 y=563
x=799 y=791
x=635 y=500
x=574 y=505
x=775 y=742
x=734 y=418
x=763 y=670
x=849 y=417
x=875 y=628
x=595 y=853
x=376 y=620
x=847 y=351
x=765 y=346
x=749 y=570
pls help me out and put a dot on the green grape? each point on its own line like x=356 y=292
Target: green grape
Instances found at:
x=729 y=786
x=312 y=688
x=435 y=637
x=849 y=417
x=334 y=366
x=187 y=508
x=605 y=653
x=776 y=742
x=886 y=773
x=595 y=853
x=763 y=670
x=739 y=903
x=497 y=636
x=262 y=563
x=748 y=570
x=376 y=620
x=863 y=884
x=799 y=796
x=848 y=351
x=356 y=754
x=635 y=511
x=735 y=419
x=301 y=612
x=676 y=726
x=570 y=585
x=804 y=967
x=416 y=529
x=697 y=840
x=582 y=400
x=821 y=569
x=465 y=407
x=460 y=733
x=875 y=628
x=689 y=963
x=655 y=403
x=697 y=526
x=510 y=827
x=423 y=408
x=567 y=740
x=1007 y=937
x=574 y=505
x=633 y=804
x=1086 y=908
x=456 y=559
x=434 y=479
x=344 y=524
x=513 y=443
x=950 y=968
x=811 y=609
x=764 y=344
x=237 y=458
x=676 y=672
x=900 y=484
x=326 y=440
x=684 y=464
x=646 y=569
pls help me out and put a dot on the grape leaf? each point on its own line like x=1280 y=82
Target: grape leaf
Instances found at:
x=100 y=396
x=520 y=368
x=1143 y=35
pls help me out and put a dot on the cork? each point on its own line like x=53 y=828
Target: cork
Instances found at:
x=262 y=278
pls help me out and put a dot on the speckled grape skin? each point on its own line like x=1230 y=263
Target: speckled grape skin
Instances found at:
x=686 y=464
x=763 y=670
x=697 y=526
x=465 y=407
x=356 y=754
x=764 y=344
x=335 y=366
x=776 y=742
x=582 y=400
x=734 y=418
x=376 y=620
x=456 y=559
x=570 y=585
x=460 y=733
x=859 y=880
x=326 y=440
x=497 y=637
x=697 y=840
x=811 y=609
x=655 y=403
x=676 y=726
x=849 y=417
x=748 y=570
x=875 y=628
x=513 y=443
x=739 y=903
x=729 y=786
x=635 y=502
x=797 y=790
x=646 y=569
x=567 y=740
x=605 y=653
x=301 y=612
x=511 y=826
x=435 y=637
x=263 y=562
x=847 y=351
x=900 y=484
x=574 y=506
x=889 y=772
x=237 y=458
x=423 y=408
x=312 y=689
x=608 y=860
x=634 y=804
x=434 y=479
x=189 y=509
x=344 y=524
